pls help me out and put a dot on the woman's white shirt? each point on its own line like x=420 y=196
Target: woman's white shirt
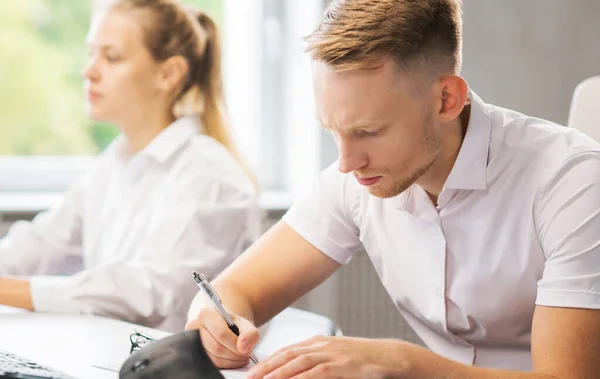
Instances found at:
x=140 y=224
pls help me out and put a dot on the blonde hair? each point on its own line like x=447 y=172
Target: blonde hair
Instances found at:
x=175 y=30
x=357 y=34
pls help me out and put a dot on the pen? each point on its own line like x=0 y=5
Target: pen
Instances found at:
x=203 y=283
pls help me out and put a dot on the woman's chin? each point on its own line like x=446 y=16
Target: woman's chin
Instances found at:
x=96 y=114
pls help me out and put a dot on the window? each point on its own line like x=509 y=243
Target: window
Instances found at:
x=42 y=51
x=268 y=86
x=46 y=139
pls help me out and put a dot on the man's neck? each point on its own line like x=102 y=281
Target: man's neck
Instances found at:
x=435 y=177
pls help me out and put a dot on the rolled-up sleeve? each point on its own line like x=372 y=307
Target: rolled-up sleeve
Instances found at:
x=323 y=216
x=567 y=217
x=204 y=233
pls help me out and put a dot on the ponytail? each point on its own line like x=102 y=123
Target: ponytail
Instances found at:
x=205 y=95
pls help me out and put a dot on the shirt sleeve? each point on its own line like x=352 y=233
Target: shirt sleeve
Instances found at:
x=325 y=216
x=567 y=217
x=204 y=232
x=50 y=242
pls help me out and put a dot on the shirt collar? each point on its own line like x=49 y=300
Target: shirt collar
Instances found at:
x=469 y=170
x=165 y=144
x=172 y=138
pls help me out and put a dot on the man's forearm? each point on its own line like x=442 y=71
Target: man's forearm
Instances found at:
x=424 y=364
x=233 y=299
x=16 y=293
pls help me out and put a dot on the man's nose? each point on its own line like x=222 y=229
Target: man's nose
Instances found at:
x=351 y=158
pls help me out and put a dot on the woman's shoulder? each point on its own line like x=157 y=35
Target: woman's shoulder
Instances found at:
x=211 y=163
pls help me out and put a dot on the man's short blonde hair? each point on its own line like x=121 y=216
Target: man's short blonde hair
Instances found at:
x=357 y=34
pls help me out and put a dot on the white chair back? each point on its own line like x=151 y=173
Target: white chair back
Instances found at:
x=584 y=114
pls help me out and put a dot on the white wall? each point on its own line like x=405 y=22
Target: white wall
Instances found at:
x=529 y=55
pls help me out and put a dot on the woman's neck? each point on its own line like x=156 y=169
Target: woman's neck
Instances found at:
x=140 y=131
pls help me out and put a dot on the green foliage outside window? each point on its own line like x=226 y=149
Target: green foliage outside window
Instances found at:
x=42 y=52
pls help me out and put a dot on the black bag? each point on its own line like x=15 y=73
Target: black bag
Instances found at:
x=180 y=356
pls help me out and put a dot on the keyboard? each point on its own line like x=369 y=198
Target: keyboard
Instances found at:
x=16 y=367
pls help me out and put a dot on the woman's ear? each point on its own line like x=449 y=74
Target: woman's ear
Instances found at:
x=172 y=73
x=454 y=91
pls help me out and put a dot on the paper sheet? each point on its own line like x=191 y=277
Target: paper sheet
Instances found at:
x=241 y=373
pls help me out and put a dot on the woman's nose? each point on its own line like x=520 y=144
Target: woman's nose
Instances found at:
x=90 y=71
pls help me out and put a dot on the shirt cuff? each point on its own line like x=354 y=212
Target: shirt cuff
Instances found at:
x=568 y=299
x=52 y=294
x=295 y=220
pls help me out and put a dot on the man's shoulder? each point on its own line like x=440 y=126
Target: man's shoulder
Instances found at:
x=535 y=144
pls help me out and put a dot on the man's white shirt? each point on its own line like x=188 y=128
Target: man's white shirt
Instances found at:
x=139 y=224
x=517 y=224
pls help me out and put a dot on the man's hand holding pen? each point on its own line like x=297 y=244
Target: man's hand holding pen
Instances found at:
x=228 y=339
x=224 y=348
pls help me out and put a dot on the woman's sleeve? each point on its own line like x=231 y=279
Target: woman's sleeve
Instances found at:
x=204 y=227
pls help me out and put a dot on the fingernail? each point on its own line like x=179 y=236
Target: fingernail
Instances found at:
x=245 y=346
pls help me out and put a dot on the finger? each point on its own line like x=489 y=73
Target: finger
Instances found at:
x=309 y=343
x=327 y=370
x=249 y=335
x=278 y=360
x=216 y=336
x=224 y=363
x=198 y=321
x=214 y=347
x=193 y=324
x=297 y=366
x=225 y=341
x=219 y=334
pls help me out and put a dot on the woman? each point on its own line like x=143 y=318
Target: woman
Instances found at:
x=169 y=196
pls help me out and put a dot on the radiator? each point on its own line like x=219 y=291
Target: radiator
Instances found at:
x=355 y=299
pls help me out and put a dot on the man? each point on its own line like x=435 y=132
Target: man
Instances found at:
x=482 y=223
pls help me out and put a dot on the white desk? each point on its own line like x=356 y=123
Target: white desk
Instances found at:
x=76 y=344
x=73 y=344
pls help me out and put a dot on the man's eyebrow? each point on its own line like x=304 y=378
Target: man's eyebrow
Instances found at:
x=364 y=124
x=357 y=126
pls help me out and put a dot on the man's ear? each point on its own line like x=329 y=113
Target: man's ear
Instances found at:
x=453 y=91
x=172 y=73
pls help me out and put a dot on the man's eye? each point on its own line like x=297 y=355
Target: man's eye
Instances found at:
x=365 y=134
